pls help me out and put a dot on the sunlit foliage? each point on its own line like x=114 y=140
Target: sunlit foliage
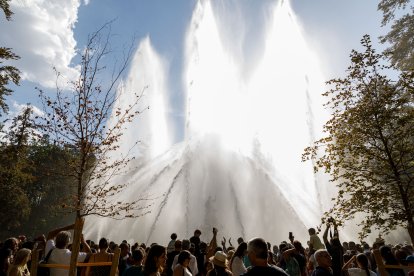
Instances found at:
x=368 y=150
x=400 y=14
x=8 y=73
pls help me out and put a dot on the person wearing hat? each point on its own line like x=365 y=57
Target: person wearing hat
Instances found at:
x=257 y=253
x=219 y=265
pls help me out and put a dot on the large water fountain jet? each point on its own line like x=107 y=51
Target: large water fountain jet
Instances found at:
x=239 y=166
x=148 y=80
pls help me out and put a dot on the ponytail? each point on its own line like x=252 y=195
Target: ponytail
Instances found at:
x=363 y=262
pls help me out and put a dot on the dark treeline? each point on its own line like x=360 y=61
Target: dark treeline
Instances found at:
x=33 y=179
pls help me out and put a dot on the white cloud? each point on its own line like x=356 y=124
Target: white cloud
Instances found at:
x=86 y=2
x=41 y=33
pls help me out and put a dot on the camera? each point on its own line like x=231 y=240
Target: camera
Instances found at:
x=331 y=220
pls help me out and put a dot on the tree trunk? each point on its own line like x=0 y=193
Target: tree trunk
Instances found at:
x=79 y=194
x=76 y=245
x=410 y=229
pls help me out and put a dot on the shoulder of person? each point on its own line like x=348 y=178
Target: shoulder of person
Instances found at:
x=50 y=244
x=92 y=258
x=50 y=241
x=280 y=270
x=354 y=271
x=134 y=270
x=82 y=256
x=12 y=270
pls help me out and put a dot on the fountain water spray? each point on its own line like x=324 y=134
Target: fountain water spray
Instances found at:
x=239 y=167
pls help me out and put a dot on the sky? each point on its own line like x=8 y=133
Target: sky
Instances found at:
x=48 y=34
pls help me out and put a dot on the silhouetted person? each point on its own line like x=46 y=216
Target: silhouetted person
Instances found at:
x=258 y=253
x=324 y=263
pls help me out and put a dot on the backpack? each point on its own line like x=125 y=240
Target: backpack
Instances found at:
x=44 y=271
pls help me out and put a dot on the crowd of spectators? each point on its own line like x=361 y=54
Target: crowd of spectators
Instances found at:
x=193 y=256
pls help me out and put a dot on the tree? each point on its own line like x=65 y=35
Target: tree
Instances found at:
x=15 y=173
x=368 y=150
x=5 y=6
x=49 y=190
x=7 y=73
x=401 y=35
x=84 y=122
x=31 y=179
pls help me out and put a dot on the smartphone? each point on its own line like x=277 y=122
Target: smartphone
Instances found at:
x=290 y=235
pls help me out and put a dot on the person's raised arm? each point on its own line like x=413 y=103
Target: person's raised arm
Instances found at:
x=85 y=246
x=213 y=244
x=223 y=243
x=325 y=234
x=291 y=238
x=336 y=232
x=287 y=253
x=348 y=264
x=52 y=234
